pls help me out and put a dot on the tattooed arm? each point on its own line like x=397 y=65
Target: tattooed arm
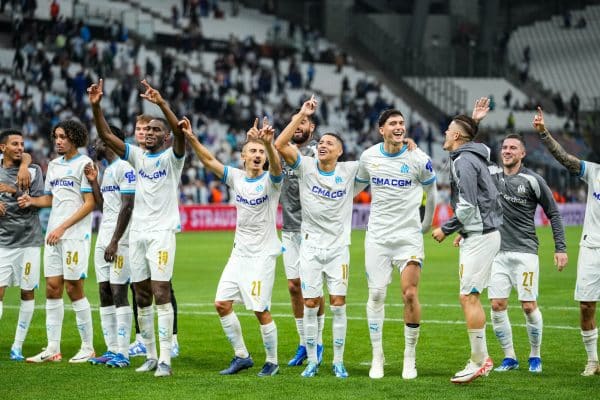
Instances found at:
x=572 y=163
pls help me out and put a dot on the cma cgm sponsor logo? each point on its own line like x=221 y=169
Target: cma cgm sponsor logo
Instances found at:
x=251 y=202
x=110 y=188
x=514 y=199
x=391 y=182
x=130 y=176
x=154 y=175
x=596 y=195
x=336 y=194
x=62 y=183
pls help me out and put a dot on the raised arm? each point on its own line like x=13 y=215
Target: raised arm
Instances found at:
x=154 y=96
x=481 y=108
x=95 y=96
x=572 y=163
x=266 y=135
x=127 y=201
x=206 y=157
x=283 y=143
x=91 y=173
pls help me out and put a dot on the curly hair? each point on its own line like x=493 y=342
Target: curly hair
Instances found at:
x=75 y=131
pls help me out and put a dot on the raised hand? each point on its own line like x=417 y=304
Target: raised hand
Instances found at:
x=309 y=107
x=95 y=92
x=151 y=94
x=538 y=121
x=267 y=132
x=253 y=133
x=23 y=179
x=91 y=172
x=186 y=127
x=482 y=107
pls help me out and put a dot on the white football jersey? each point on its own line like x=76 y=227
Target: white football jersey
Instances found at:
x=397 y=191
x=590 y=173
x=118 y=179
x=156 y=206
x=66 y=182
x=326 y=199
x=256 y=201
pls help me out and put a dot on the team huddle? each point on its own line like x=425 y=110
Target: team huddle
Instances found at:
x=494 y=209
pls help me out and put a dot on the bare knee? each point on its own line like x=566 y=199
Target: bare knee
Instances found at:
x=410 y=295
x=499 y=305
x=106 y=296
x=224 y=308
x=588 y=310
x=27 y=295
x=529 y=307
x=312 y=303
x=294 y=287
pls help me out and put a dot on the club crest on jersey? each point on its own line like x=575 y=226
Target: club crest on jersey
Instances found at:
x=157 y=163
x=521 y=189
x=338 y=179
x=260 y=188
x=404 y=169
x=130 y=176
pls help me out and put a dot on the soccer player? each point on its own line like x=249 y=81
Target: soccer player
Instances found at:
x=111 y=256
x=68 y=240
x=587 y=288
x=517 y=263
x=394 y=236
x=250 y=271
x=154 y=222
x=474 y=199
x=137 y=347
x=326 y=192
x=291 y=239
x=21 y=235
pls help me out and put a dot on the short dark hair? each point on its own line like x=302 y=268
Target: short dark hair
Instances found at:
x=117 y=132
x=164 y=122
x=386 y=114
x=75 y=131
x=468 y=125
x=517 y=136
x=335 y=135
x=8 y=132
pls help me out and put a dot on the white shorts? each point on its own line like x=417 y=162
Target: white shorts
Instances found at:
x=587 y=287
x=380 y=261
x=291 y=253
x=333 y=264
x=152 y=255
x=512 y=269
x=117 y=272
x=248 y=280
x=68 y=258
x=476 y=255
x=20 y=267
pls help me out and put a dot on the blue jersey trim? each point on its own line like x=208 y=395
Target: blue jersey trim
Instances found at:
x=324 y=173
x=582 y=168
x=126 y=155
x=86 y=190
x=127 y=191
x=357 y=179
x=225 y=172
x=297 y=163
x=385 y=153
x=154 y=155
x=258 y=178
x=276 y=178
x=429 y=181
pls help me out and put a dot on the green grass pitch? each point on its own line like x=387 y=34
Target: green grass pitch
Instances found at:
x=442 y=349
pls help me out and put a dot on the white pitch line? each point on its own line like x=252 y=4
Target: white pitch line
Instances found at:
x=352 y=318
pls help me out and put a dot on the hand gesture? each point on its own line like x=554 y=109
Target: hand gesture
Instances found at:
x=410 y=144
x=151 y=94
x=24 y=201
x=482 y=106
x=91 y=172
x=95 y=92
x=560 y=260
x=538 y=121
x=2 y=209
x=111 y=251
x=4 y=188
x=186 y=127
x=23 y=180
x=54 y=236
x=438 y=235
x=456 y=241
x=267 y=132
x=253 y=133
x=309 y=107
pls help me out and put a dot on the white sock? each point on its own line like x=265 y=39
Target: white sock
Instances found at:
x=108 y=323
x=138 y=336
x=479 y=350
x=83 y=318
x=269 y=337
x=590 y=341
x=175 y=342
x=55 y=313
x=165 y=331
x=146 y=323
x=411 y=337
x=375 y=317
x=320 y=326
x=534 y=323
x=1 y=308
x=503 y=332
x=124 y=321
x=340 y=325
x=25 y=315
x=300 y=330
x=233 y=332
x=311 y=332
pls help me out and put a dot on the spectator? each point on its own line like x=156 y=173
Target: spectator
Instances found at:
x=54 y=10
x=581 y=23
x=507 y=98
